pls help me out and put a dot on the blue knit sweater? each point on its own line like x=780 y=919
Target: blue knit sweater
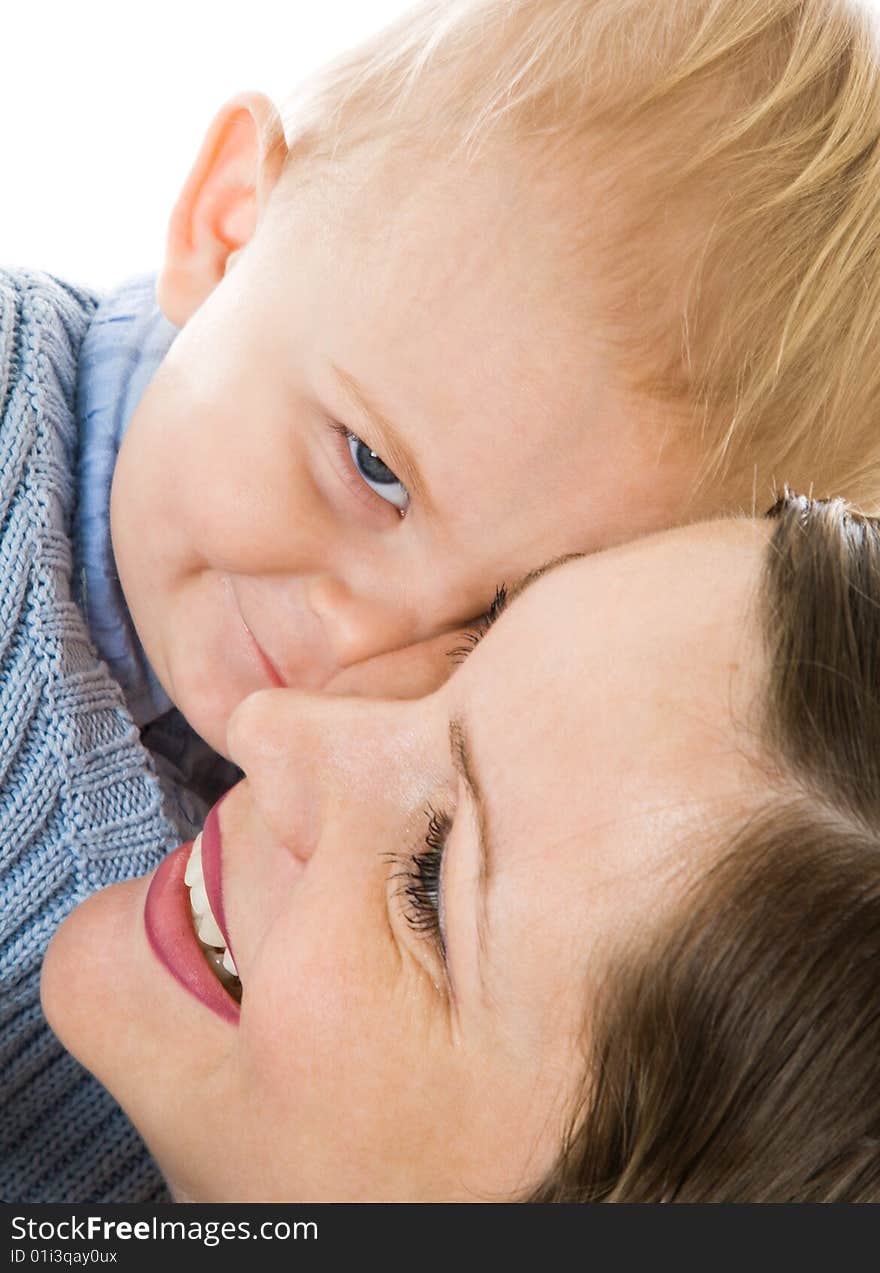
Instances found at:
x=81 y=805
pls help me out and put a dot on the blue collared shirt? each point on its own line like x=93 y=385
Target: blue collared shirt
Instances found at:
x=126 y=341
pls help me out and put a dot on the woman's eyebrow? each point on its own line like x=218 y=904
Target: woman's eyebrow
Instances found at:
x=517 y=589
x=459 y=746
x=462 y=760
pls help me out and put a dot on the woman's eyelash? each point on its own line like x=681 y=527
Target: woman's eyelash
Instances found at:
x=419 y=877
x=474 y=635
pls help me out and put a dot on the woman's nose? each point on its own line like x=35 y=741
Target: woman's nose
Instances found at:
x=358 y=627
x=311 y=760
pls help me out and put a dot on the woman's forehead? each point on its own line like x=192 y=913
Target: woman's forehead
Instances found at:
x=619 y=680
x=654 y=598
x=606 y=733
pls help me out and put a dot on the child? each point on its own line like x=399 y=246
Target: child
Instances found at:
x=523 y=278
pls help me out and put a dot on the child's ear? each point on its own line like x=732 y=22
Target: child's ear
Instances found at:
x=240 y=160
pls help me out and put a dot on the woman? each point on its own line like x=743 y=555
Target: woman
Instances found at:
x=599 y=919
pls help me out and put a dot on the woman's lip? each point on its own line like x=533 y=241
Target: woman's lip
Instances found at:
x=212 y=870
x=172 y=938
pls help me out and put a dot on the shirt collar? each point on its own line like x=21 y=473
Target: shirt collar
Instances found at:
x=127 y=339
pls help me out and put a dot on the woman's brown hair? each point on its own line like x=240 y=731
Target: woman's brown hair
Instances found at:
x=737 y=1058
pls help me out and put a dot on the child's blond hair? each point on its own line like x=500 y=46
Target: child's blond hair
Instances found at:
x=736 y=146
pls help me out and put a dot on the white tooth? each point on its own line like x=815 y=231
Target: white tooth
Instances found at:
x=229 y=963
x=209 y=932
x=194 y=865
x=199 y=898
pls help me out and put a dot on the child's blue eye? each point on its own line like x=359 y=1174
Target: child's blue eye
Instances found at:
x=376 y=473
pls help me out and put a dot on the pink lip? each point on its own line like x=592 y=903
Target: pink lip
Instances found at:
x=257 y=652
x=268 y=666
x=263 y=659
x=172 y=938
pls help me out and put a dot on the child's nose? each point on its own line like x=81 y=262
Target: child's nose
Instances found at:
x=358 y=627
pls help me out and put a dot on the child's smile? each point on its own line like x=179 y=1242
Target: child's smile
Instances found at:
x=384 y=410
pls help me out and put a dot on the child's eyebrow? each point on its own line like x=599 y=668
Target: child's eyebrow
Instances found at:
x=388 y=441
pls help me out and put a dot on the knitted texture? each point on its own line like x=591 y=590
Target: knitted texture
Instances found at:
x=80 y=803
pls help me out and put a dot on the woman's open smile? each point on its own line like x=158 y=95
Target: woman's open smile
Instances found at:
x=178 y=911
x=171 y=930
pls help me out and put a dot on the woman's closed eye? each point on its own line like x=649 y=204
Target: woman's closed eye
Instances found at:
x=419 y=877
x=419 y=893
x=419 y=873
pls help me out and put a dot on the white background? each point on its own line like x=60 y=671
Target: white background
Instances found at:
x=103 y=107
